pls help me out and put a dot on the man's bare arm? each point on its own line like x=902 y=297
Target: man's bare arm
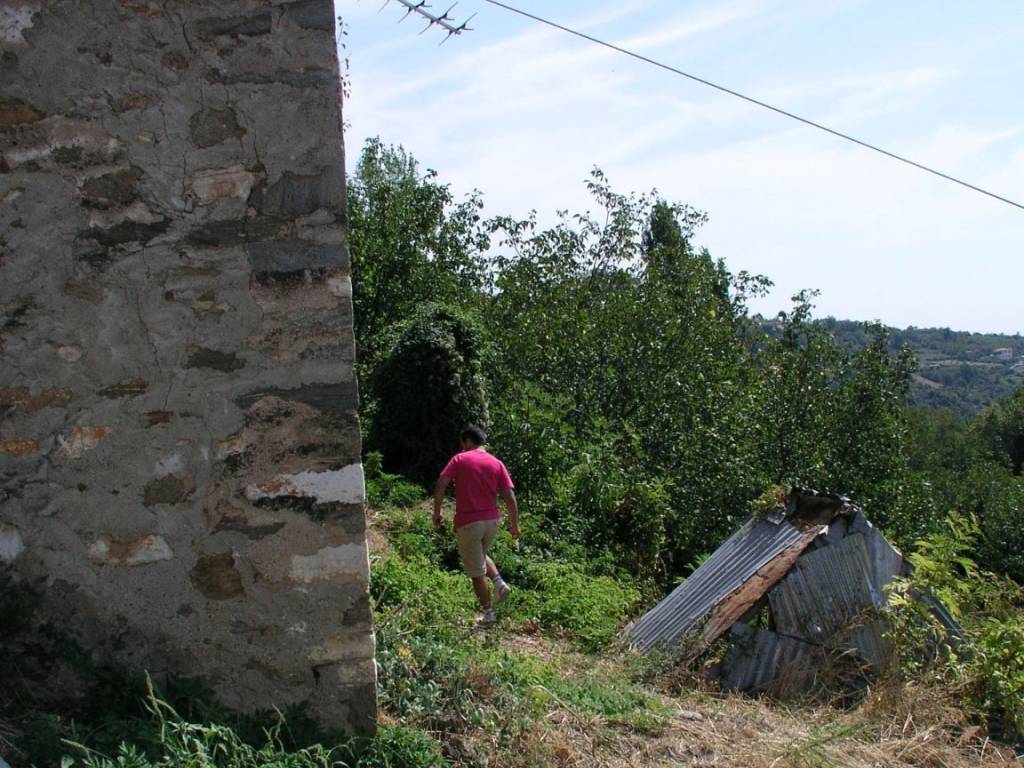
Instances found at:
x=439 y=488
x=512 y=507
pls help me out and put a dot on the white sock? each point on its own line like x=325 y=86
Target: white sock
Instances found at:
x=498 y=581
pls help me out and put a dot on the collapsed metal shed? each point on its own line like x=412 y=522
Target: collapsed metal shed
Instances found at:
x=802 y=585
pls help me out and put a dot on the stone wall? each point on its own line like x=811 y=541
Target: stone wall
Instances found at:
x=179 y=445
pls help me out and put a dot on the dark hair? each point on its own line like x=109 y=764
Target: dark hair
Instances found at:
x=474 y=434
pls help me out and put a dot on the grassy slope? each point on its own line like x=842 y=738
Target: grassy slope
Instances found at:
x=548 y=686
x=532 y=693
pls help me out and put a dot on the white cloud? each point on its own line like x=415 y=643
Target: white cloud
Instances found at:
x=687 y=26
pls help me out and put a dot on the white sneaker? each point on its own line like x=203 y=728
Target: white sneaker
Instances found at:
x=501 y=593
x=488 y=617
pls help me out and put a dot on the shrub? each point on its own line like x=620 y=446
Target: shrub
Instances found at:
x=998 y=670
x=592 y=609
x=385 y=489
x=422 y=591
x=985 y=658
x=397 y=746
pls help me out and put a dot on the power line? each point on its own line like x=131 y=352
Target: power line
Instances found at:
x=759 y=103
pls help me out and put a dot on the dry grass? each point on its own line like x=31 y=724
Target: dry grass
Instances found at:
x=896 y=726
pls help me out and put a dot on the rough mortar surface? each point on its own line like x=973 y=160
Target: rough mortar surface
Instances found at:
x=179 y=444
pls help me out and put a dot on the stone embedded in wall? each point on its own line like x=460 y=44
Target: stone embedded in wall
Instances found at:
x=340 y=397
x=256 y=24
x=78 y=440
x=178 y=60
x=210 y=127
x=308 y=338
x=21 y=399
x=311 y=14
x=345 y=646
x=215 y=360
x=220 y=183
x=240 y=523
x=359 y=613
x=81 y=288
x=328 y=563
x=341 y=486
x=125 y=388
x=14 y=112
x=155 y=418
x=231 y=232
x=206 y=303
x=308 y=77
x=321 y=228
x=290 y=256
x=16 y=16
x=351 y=672
x=11 y=543
x=119 y=187
x=169 y=489
x=216 y=577
x=282 y=436
x=301 y=195
x=69 y=353
x=109 y=550
x=134 y=224
x=132 y=101
x=19 y=447
x=104 y=219
x=340 y=286
x=57 y=143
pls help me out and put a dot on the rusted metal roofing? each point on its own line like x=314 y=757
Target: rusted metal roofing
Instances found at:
x=760 y=548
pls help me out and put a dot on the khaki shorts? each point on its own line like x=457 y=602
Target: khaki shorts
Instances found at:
x=474 y=541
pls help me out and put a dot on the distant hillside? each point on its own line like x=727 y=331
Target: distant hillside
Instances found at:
x=957 y=370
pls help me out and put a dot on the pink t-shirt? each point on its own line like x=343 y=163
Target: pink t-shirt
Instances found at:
x=478 y=477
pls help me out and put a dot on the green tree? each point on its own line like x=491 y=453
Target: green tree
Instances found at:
x=799 y=367
x=637 y=337
x=410 y=242
x=1001 y=428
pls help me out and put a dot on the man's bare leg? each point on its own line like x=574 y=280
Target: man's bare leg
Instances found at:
x=483 y=591
x=501 y=589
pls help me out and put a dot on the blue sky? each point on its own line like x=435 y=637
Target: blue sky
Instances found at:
x=523 y=112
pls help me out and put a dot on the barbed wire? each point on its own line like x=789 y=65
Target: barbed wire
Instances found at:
x=445 y=20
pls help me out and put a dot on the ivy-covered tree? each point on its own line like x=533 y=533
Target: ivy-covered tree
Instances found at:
x=429 y=386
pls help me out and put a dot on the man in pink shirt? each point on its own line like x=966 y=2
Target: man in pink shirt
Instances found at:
x=479 y=479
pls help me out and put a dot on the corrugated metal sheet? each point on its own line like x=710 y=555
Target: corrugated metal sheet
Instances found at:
x=825 y=592
x=760 y=660
x=886 y=560
x=832 y=594
x=743 y=554
x=867 y=641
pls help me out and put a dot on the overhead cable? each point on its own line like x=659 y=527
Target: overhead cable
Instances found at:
x=757 y=102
